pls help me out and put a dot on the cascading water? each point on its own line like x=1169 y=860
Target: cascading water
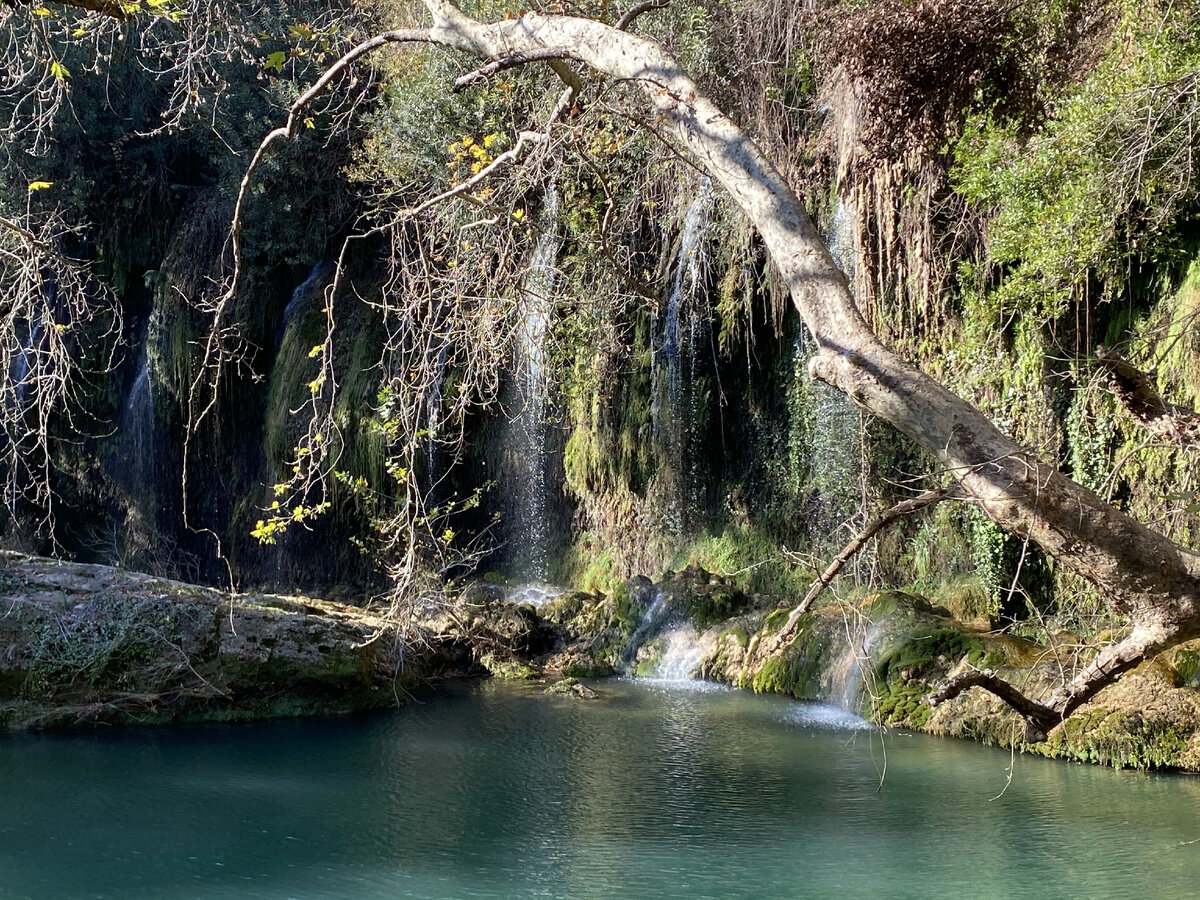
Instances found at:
x=25 y=366
x=684 y=650
x=677 y=404
x=530 y=532
x=306 y=294
x=844 y=681
x=137 y=433
x=24 y=375
x=665 y=647
x=835 y=451
x=433 y=408
x=648 y=626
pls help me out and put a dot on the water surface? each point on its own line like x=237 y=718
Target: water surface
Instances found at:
x=495 y=790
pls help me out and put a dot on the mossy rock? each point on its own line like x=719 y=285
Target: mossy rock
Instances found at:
x=588 y=667
x=1119 y=738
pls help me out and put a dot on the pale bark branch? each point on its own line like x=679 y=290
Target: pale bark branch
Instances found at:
x=1139 y=572
x=1109 y=665
x=23 y=233
x=1137 y=393
x=626 y=20
x=483 y=73
x=1040 y=719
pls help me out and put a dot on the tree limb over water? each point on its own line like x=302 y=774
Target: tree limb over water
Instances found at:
x=1138 y=572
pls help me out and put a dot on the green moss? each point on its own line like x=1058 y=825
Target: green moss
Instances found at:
x=739 y=633
x=1186 y=663
x=796 y=671
x=508 y=668
x=1118 y=738
x=749 y=558
x=925 y=646
x=588 y=668
x=902 y=705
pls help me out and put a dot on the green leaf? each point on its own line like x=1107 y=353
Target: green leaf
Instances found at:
x=275 y=61
x=59 y=71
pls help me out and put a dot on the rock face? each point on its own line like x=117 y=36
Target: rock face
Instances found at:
x=87 y=644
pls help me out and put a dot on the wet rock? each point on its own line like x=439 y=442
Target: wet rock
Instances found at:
x=573 y=687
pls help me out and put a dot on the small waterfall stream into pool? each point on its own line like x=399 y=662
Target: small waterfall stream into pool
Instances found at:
x=530 y=533
x=834 y=453
x=677 y=402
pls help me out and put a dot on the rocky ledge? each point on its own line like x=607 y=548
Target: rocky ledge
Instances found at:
x=84 y=644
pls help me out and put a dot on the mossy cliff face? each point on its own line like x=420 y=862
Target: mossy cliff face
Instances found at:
x=89 y=644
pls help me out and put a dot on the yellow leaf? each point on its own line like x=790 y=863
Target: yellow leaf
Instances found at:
x=40 y=185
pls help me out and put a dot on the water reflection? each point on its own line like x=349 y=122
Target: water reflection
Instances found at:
x=496 y=791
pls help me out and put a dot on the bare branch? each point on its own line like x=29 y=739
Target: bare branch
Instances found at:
x=25 y=235
x=626 y=20
x=1039 y=717
x=1136 y=392
x=903 y=508
x=483 y=73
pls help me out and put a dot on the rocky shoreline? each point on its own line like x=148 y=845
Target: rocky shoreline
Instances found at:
x=83 y=645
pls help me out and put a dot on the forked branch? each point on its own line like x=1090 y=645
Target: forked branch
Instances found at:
x=904 y=508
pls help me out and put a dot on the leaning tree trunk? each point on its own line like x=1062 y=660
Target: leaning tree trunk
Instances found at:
x=1138 y=572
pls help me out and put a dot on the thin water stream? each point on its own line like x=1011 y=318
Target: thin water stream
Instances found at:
x=495 y=790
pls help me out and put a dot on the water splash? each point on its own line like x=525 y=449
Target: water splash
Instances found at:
x=845 y=682
x=684 y=652
x=677 y=404
x=535 y=595
x=824 y=716
x=531 y=533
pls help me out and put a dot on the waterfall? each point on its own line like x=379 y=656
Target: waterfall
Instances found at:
x=24 y=374
x=684 y=649
x=677 y=404
x=433 y=408
x=664 y=647
x=845 y=677
x=835 y=451
x=311 y=288
x=531 y=532
x=138 y=438
x=650 y=623
x=25 y=366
